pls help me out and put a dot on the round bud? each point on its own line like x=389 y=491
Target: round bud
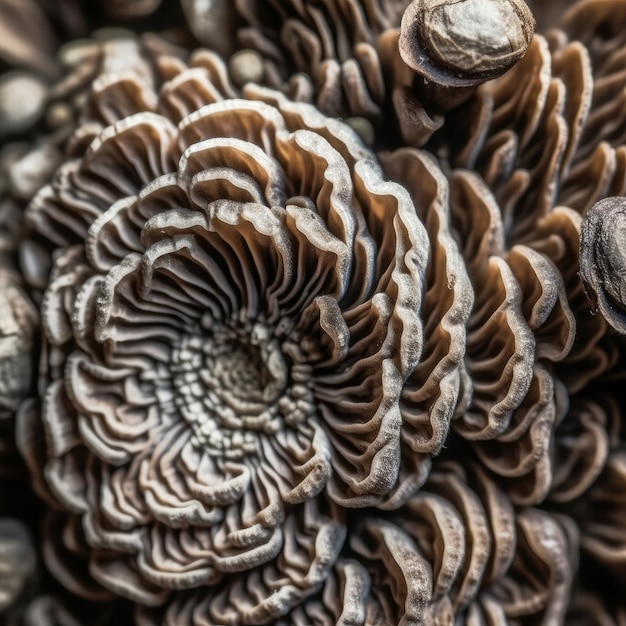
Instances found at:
x=22 y=99
x=246 y=66
x=462 y=43
x=603 y=259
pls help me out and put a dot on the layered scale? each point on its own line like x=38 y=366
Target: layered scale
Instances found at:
x=235 y=349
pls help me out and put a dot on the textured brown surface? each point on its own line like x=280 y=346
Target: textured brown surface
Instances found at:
x=294 y=305
x=296 y=371
x=459 y=549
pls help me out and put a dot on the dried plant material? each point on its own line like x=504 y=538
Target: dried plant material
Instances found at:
x=591 y=481
x=598 y=165
x=284 y=379
x=105 y=81
x=235 y=349
x=263 y=596
x=520 y=329
x=597 y=24
x=603 y=259
x=548 y=132
x=461 y=553
x=441 y=386
x=341 y=56
x=343 y=600
x=28 y=597
x=593 y=352
x=523 y=127
x=456 y=551
x=463 y=43
x=542 y=545
x=63 y=544
x=522 y=456
x=532 y=143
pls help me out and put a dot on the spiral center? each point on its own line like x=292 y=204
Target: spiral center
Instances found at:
x=230 y=384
